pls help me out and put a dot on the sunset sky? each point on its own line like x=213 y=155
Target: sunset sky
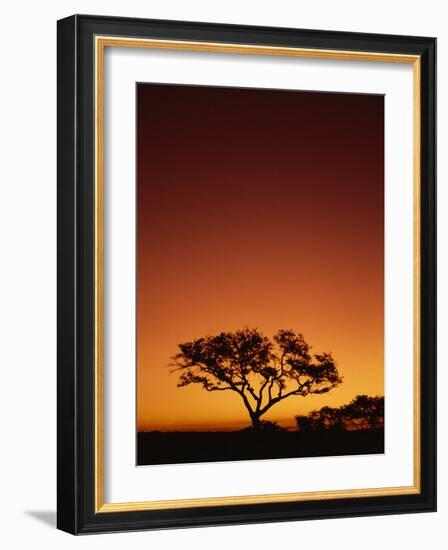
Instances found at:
x=256 y=208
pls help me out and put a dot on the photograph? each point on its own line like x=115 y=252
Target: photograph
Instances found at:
x=246 y=273
x=219 y=275
x=259 y=273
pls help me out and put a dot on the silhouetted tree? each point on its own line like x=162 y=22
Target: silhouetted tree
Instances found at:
x=363 y=412
x=326 y=418
x=306 y=424
x=262 y=372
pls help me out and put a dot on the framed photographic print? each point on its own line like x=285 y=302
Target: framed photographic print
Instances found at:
x=246 y=274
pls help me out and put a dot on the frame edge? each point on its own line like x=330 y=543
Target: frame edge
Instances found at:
x=67 y=454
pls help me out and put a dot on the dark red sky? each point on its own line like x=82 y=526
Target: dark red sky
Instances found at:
x=259 y=208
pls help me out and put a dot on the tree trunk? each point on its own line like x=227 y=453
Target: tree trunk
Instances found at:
x=256 y=422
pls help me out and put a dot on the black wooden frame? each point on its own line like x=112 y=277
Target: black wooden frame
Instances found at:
x=76 y=512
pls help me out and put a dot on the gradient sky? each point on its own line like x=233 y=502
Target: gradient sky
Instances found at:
x=257 y=208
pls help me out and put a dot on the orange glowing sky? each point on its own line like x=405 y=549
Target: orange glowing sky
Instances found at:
x=257 y=208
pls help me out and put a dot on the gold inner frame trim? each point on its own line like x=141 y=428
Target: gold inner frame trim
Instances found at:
x=101 y=42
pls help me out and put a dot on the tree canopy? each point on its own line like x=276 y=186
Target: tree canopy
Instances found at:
x=261 y=371
x=363 y=412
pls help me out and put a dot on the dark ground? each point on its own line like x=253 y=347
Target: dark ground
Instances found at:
x=181 y=447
